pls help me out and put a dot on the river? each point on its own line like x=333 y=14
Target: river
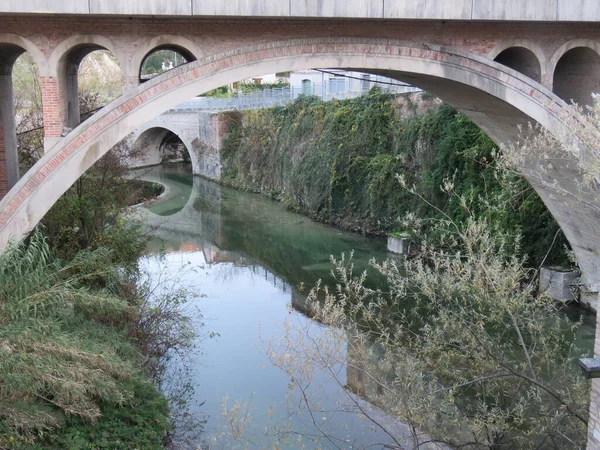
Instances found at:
x=251 y=261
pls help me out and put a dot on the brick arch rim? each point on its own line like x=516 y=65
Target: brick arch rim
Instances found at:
x=150 y=45
x=62 y=51
x=188 y=145
x=91 y=140
x=28 y=47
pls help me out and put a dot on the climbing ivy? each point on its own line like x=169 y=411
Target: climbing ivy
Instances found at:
x=339 y=162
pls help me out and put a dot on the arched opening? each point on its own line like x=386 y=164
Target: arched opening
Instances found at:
x=163 y=149
x=522 y=60
x=159 y=145
x=29 y=118
x=20 y=105
x=89 y=70
x=577 y=76
x=99 y=82
x=163 y=58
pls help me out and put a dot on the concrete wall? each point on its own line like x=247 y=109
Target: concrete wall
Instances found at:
x=529 y=10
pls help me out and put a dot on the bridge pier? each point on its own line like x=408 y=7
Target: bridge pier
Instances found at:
x=9 y=159
x=594 y=419
x=53 y=111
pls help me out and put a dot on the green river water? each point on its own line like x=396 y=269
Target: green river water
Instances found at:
x=247 y=257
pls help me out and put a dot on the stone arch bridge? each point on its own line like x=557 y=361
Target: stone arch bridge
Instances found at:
x=503 y=64
x=198 y=131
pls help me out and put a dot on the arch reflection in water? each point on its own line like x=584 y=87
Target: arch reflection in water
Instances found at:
x=178 y=182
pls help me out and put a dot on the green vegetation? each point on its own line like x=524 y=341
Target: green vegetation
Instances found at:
x=82 y=338
x=70 y=376
x=89 y=214
x=153 y=63
x=457 y=346
x=338 y=162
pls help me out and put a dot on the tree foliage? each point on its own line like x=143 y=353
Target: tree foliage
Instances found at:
x=457 y=346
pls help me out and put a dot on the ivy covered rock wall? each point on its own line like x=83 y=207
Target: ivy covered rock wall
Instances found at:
x=339 y=163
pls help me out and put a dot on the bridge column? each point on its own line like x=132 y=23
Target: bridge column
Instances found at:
x=53 y=107
x=594 y=419
x=9 y=159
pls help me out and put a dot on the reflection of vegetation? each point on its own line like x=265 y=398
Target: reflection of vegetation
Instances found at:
x=293 y=247
x=456 y=347
x=338 y=161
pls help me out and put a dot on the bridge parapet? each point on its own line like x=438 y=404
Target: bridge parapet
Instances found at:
x=471 y=10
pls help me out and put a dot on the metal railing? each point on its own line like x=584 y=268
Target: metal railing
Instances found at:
x=268 y=98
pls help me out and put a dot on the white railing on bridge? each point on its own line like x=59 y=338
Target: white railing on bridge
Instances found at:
x=270 y=97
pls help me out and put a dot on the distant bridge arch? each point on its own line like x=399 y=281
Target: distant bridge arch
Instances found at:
x=147 y=144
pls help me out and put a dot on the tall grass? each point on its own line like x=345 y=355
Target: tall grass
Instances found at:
x=63 y=354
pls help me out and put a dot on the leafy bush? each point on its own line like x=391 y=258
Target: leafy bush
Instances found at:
x=456 y=346
x=78 y=344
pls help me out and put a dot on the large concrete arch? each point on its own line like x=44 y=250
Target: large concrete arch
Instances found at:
x=154 y=134
x=497 y=98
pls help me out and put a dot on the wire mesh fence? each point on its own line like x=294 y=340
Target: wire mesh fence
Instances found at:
x=270 y=97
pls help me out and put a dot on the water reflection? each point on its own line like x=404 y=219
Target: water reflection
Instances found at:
x=248 y=257
x=177 y=181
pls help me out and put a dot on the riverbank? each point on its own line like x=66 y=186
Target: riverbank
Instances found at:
x=82 y=335
x=75 y=371
x=338 y=162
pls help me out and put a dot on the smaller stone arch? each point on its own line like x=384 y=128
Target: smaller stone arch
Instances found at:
x=147 y=145
x=576 y=71
x=184 y=46
x=524 y=56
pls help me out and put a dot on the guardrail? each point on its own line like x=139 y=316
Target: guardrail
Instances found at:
x=268 y=98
